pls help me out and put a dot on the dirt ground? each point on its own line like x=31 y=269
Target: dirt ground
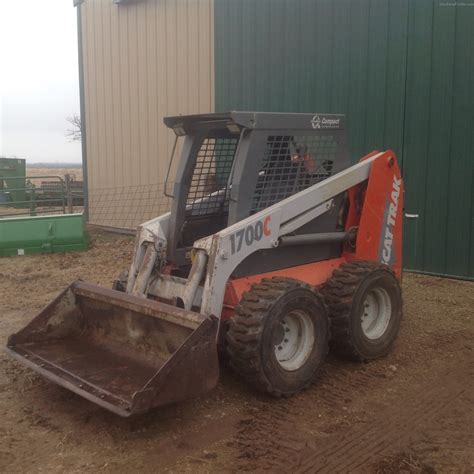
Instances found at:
x=410 y=412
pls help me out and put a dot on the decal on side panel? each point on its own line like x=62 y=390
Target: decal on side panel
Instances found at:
x=386 y=251
x=248 y=235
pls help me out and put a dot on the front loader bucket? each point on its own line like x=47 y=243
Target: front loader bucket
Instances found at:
x=125 y=353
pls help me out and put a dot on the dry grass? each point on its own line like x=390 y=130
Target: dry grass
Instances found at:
x=76 y=173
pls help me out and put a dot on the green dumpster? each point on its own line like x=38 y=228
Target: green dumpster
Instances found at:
x=42 y=234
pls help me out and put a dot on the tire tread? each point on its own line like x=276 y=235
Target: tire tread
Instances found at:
x=339 y=292
x=247 y=326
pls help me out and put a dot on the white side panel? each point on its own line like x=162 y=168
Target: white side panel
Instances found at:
x=226 y=249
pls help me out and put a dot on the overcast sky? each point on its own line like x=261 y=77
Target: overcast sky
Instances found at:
x=38 y=79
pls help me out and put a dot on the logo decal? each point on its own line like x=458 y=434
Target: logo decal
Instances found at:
x=390 y=216
x=250 y=234
x=316 y=122
x=319 y=123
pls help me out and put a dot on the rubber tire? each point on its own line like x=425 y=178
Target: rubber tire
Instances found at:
x=250 y=336
x=344 y=293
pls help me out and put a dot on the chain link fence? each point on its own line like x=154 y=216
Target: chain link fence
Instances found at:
x=126 y=207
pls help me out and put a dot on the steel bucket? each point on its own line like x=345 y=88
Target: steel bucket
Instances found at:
x=125 y=353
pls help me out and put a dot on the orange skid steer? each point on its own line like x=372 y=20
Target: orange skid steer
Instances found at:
x=275 y=248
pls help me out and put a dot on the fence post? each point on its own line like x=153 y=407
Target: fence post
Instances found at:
x=69 y=198
x=32 y=201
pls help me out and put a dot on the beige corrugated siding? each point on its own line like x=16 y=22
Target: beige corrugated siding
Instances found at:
x=142 y=61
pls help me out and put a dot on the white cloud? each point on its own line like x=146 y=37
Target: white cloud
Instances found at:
x=38 y=79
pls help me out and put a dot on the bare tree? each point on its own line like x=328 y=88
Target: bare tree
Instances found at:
x=74 y=133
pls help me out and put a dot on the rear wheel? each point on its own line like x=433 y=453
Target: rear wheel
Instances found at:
x=365 y=308
x=279 y=336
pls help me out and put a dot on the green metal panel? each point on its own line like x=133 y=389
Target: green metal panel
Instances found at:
x=403 y=73
x=337 y=56
x=12 y=189
x=439 y=147
x=42 y=234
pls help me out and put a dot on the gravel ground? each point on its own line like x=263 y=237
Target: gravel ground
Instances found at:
x=409 y=412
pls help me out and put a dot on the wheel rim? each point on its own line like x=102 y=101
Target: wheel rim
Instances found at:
x=376 y=313
x=295 y=340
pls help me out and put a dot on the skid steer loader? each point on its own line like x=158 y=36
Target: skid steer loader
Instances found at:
x=275 y=248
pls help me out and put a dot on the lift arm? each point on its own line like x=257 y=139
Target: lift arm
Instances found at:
x=229 y=247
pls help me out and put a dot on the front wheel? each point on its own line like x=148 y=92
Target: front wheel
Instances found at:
x=365 y=308
x=279 y=336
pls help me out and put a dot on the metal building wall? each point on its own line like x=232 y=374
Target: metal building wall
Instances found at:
x=142 y=61
x=439 y=139
x=403 y=73
x=339 y=56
